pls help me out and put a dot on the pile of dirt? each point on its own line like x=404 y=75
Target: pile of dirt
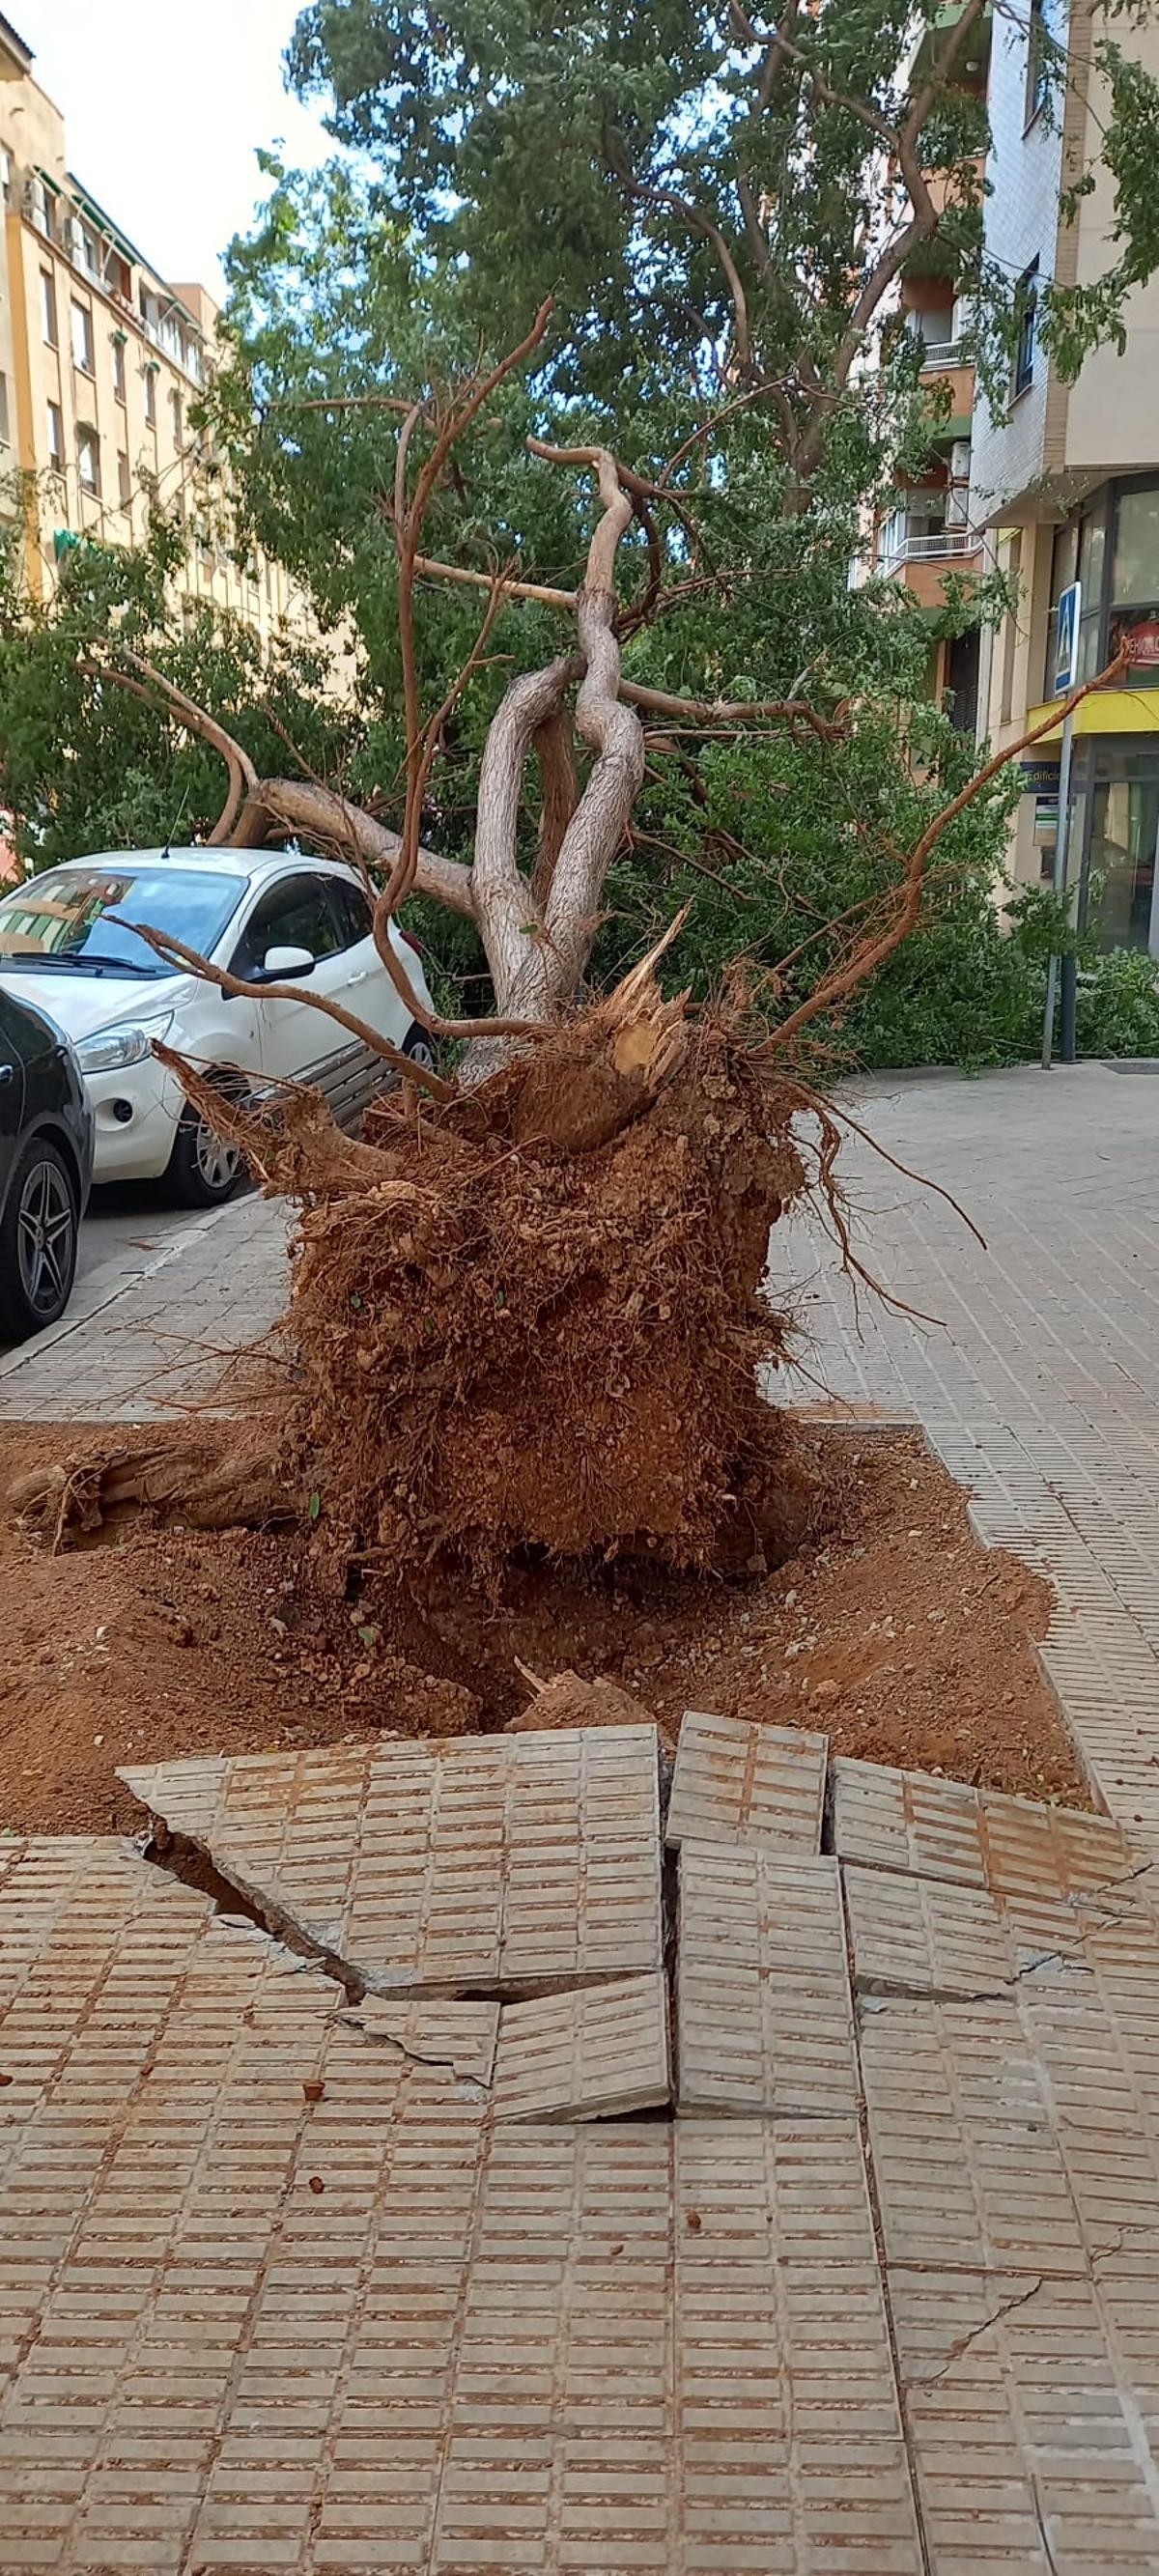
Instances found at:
x=895 y=1632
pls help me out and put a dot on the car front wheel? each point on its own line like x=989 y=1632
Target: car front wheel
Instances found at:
x=204 y=1171
x=38 y=1241
x=421 y=1048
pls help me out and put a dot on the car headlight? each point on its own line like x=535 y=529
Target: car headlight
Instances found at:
x=110 y=1049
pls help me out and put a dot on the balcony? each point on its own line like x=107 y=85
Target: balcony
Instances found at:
x=925 y=544
x=939 y=357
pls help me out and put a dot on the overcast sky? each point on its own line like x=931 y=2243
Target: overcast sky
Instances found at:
x=164 y=102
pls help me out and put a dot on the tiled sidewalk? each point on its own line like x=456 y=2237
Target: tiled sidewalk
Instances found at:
x=1038 y=1382
x=296 y=2279
x=214 y=1285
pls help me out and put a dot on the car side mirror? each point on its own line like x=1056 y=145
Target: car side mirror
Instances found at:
x=285 y=965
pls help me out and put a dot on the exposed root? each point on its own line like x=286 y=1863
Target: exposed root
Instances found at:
x=207 y=1485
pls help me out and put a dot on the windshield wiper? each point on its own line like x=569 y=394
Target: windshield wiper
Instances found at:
x=86 y=961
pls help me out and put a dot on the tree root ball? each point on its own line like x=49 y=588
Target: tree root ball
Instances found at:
x=528 y=1319
x=541 y=1326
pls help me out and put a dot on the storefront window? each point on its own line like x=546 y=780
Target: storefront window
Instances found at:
x=1124 y=833
x=1134 y=620
x=1137 y=549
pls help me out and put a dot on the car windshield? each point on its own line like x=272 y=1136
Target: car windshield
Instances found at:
x=64 y=919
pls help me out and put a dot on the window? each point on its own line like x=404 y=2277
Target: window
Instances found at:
x=118 y=367
x=3 y=411
x=66 y=913
x=124 y=483
x=55 y=434
x=88 y=462
x=354 y=912
x=1038 y=50
x=1013 y=569
x=48 y=306
x=40 y=207
x=176 y=415
x=82 y=338
x=1026 y=317
x=5 y=175
x=151 y=396
x=295 y=913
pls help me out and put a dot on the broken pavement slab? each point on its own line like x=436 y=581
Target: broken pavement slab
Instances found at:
x=764 y=2012
x=738 y=1781
x=489 y=1863
x=1032 y=1857
x=593 y=2054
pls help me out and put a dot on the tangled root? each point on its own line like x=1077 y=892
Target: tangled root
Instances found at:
x=530 y=1318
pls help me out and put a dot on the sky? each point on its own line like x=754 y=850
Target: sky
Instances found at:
x=165 y=102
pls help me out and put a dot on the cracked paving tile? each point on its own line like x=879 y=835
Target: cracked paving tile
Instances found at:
x=501 y=1864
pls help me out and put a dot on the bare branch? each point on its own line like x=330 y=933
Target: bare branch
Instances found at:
x=703 y=224
x=701 y=712
x=174 y=953
x=167 y=699
x=873 y=952
x=429 y=568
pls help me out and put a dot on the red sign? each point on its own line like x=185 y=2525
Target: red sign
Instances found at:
x=1139 y=637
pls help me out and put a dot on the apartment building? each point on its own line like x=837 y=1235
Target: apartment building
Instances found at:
x=930 y=532
x=101 y=363
x=1066 y=479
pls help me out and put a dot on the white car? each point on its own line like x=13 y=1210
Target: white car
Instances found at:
x=269 y=918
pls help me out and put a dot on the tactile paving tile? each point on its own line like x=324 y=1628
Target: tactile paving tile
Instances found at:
x=737 y=1781
x=588 y=2055
x=65 y=1908
x=1031 y=2450
x=498 y=1862
x=790 y=2448
x=926 y=1936
x=764 y=2016
x=964 y=2139
x=1035 y=1857
x=462 y=2036
x=294 y=2302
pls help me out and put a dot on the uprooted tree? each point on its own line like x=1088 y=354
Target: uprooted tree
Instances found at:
x=527 y=1310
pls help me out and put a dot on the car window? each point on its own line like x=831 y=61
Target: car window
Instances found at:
x=65 y=918
x=353 y=911
x=293 y=913
x=21 y=1036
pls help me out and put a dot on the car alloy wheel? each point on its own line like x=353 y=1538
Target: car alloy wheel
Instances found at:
x=45 y=1226
x=421 y=1052
x=217 y=1163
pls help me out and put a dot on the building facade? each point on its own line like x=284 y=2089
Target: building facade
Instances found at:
x=101 y=363
x=1065 y=480
x=930 y=532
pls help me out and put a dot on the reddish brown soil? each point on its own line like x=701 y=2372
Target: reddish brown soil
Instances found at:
x=898 y=1635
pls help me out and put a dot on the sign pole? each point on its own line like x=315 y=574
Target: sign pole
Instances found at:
x=1059 y=884
x=1065 y=664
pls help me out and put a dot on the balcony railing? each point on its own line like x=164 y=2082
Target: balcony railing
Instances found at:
x=924 y=545
x=940 y=354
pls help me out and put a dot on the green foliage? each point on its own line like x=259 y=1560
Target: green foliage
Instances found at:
x=687 y=185
x=715 y=212
x=84 y=766
x=1118 y=1005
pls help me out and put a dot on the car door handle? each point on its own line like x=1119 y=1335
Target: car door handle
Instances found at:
x=7 y=1072
x=361 y=976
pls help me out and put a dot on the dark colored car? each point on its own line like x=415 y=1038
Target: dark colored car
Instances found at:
x=46 y=1164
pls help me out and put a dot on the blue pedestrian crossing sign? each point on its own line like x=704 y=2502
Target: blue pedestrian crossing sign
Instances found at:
x=1066 y=638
